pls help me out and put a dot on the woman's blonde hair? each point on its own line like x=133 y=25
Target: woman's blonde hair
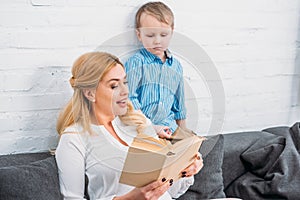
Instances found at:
x=158 y=10
x=87 y=71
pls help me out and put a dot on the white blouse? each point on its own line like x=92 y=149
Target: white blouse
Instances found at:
x=101 y=157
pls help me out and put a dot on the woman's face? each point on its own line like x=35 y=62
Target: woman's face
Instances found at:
x=112 y=93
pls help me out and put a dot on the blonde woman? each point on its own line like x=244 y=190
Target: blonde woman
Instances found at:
x=96 y=127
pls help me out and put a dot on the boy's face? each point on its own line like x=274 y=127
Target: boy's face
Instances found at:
x=154 y=35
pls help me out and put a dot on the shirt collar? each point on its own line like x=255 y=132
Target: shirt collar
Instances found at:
x=150 y=58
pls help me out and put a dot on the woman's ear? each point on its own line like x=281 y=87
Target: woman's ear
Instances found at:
x=90 y=94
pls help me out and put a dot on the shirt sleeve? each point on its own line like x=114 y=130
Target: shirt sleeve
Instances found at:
x=178 y=106
x=180 y=187
x=133 y=67
x=70 y=158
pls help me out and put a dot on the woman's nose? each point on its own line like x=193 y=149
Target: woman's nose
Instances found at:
x=124 y=89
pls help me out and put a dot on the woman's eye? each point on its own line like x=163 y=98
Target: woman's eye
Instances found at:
x=164 y=35
x=149 y=35
x=114 y=86
x=125 y=82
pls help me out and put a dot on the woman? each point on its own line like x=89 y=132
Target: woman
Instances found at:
x=96 y=127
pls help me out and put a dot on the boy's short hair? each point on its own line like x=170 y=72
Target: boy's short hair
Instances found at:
x=158 y=10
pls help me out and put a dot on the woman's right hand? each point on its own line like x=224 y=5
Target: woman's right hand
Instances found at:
x=152 y=191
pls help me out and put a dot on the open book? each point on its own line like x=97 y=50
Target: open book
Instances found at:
x=150 y=159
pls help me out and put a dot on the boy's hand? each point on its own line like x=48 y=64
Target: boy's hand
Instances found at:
x=163 y=131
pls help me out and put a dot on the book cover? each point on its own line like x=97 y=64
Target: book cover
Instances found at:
x=150 y=159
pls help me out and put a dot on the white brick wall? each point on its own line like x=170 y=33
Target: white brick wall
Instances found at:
x=254 y=45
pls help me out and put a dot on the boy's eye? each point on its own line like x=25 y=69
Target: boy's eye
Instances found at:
x=149 y=35
x=164 y=35
x=125 y=82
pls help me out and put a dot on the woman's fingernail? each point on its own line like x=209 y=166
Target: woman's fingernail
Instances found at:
x=171 y=182
x=163 y=179
x=183 y=175
x=184 y=172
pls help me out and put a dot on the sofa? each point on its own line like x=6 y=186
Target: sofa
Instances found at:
x=247 y=165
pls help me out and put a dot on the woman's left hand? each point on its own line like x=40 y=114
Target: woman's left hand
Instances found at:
x=193 y=168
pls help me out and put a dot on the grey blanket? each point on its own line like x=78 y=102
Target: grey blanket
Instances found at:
x=273 y=167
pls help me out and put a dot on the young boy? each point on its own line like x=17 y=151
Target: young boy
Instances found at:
x=154 y=76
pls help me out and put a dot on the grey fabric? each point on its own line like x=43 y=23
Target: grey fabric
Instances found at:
x=273 y=163
x=209 y=181
x=255 y=165
x=260 y=157
x=295 y=129
x=34 y=181
x=22 y=159
x=234 y=145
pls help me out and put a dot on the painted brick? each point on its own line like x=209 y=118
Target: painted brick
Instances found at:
x=27 y=141
x=37 y=58
x=253 y=44
x=28 y=120
x=32 y=102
